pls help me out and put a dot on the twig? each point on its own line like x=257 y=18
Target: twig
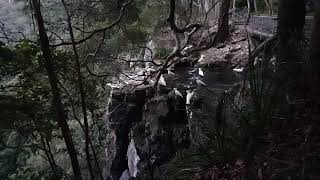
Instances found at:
x=98 y=30
x=291 y=164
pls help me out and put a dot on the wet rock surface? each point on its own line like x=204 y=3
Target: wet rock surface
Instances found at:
x=160 y=122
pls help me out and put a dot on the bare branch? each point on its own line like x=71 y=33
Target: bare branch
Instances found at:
x=5 y=35
x=207 y=13
x=98 y=30
x=171 y=20
x=55 y=34
x=96 y=51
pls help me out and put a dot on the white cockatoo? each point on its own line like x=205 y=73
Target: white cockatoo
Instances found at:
x=238 y=69
x=201 y=58
x=170 y=72
x=188 y=47
x=189 y=96
x=192 y=71
x=199 y=82
x=150 y=81
x=201 y=72
x=162 y=81
x=177 y=93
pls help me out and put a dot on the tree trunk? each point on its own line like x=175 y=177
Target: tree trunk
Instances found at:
x=271 y=7
x=291 y=19
x=268 y=6
x=223 y=22
x=83 y=102
x=248 y=11
x=233 y=8
x=217 y=10
x=255 y=8
x=252 y=6
x=46 y=149
x=314 y=62
x=82 y=94
x=57 y=103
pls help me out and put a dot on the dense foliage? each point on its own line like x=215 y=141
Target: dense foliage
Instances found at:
x=88 y=45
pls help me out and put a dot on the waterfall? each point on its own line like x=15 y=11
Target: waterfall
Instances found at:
x=133 y=159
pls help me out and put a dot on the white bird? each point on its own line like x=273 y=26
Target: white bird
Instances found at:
x=149 y=69
x=150 y=81
x=140 y=73
x=188 y=47
x=170 y=72
x=177 y=93
x=131 y=64
x=238 y=70
x=273 y=61
x=162 y=81
x=201 y=58
x=113 y=85
x=201 y=72
x=199 y=82
x=189 y=96
x=109 y=84
x=192 y=71
x=147 y=64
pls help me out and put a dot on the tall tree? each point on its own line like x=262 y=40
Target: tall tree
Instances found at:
x=57 y=103
x=253 y=6
x=223 y=22
x=314 y=62
x=82 y=92
x=269 y=4
x=291 y=20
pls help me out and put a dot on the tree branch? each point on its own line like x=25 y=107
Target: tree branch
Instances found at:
x=97 y=30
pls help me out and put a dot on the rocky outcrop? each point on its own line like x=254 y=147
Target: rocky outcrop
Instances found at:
x=157 y=124
x=232 y=53
x=125 y=109
x=160 y=122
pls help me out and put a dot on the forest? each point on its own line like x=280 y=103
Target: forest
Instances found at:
x=159 y=89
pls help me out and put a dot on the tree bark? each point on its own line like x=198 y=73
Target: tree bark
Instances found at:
x=82 y=94
x=217 y=10
x=268 y=6
x=233 y=8
x=57 y=103
x=83 y=101
x=271 y=7
x=253 y=5
x=46 y=149
x=314 y=62
x=291 y=20
x=223 y=22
